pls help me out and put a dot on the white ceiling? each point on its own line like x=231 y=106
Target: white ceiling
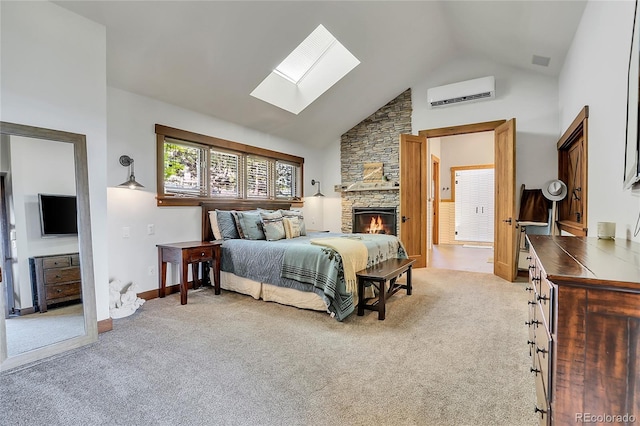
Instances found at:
x=207 y=56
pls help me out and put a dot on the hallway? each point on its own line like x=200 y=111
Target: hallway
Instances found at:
x=463 y=258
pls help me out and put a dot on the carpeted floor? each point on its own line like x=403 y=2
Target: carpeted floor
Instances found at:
x=28 y=332
x=453 y=353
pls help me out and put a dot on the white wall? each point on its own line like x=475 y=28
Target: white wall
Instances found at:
x=595 y=74
x=463 y=150
x=332 y=202
x=53 y=68
x=131 y=131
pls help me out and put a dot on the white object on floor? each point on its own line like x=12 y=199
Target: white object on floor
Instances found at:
x=123 y=299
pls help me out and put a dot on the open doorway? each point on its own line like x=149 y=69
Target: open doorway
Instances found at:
x=503 y=159
x=463 y=236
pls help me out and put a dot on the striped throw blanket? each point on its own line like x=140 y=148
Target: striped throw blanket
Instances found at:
x=354 y=256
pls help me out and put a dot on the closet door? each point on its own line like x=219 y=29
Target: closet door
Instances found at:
x=474 y=209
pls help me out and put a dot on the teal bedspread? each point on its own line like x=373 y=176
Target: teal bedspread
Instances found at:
x=322 y=267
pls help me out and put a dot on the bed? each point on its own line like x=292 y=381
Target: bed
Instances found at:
x=309 y=270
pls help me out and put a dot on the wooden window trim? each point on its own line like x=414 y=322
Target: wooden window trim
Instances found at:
x=575 y=133
x=163 y=199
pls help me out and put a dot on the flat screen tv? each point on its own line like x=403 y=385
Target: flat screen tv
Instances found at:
x=58 y=215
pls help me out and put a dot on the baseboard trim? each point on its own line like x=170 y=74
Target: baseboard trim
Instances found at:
x=105 y=325
x=152 y=294
x=25 y=311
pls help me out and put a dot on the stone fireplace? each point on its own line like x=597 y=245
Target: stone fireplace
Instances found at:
x=374 y=220
x=374 y=140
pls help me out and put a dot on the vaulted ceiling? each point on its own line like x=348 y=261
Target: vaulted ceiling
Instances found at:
x=207 y=56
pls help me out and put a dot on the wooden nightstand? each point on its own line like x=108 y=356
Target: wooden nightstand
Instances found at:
x=183 y=254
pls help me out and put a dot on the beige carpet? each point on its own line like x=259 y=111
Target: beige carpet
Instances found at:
x=453 y=353
x=28 y=332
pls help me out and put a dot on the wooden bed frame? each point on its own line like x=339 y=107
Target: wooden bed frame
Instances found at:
x=207 y=234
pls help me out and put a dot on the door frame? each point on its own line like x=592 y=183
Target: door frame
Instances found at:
x=5 y=248
x=435 y=177
x=462 y=129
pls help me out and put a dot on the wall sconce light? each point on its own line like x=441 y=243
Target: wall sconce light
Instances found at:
x=130 y=183
x=317 y=194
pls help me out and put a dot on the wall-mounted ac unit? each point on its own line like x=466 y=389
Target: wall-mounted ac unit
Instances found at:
x=464 y=91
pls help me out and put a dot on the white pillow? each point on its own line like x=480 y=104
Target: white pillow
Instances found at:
x=213 y=219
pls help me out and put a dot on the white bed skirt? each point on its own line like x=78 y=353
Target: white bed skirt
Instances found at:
x=272 y=293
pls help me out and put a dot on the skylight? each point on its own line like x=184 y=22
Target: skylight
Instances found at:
x=318 y=63
x=306 y=55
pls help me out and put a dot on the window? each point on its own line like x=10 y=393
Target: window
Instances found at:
x=195 y=168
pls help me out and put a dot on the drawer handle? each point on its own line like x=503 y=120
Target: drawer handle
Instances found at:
x=543 y=298
x=540 y=410
x=532 y=266
x=57 y=276
x=202 y=254
x=532 y=322
x=529 y=289
x=541 y=350
x=529 y=257
x=535 y=370
x=530 y=302
x=59 y=290
x=535 y=279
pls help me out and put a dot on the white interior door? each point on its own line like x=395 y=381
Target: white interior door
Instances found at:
x=474 y=205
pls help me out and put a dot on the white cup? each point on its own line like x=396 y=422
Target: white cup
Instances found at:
x=606 y=230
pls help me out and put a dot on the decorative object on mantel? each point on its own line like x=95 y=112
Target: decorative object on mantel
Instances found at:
x=317 y=194
x=372 y=172
x=130 y=183
x=123 y=299
x=367 y=186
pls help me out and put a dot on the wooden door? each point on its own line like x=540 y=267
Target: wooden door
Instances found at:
x=413 y=197
x=504 y=263
x=435 y=199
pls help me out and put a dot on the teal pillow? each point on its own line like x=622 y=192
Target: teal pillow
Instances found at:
x=249 y=225
x=227 y=224
x=273 y=226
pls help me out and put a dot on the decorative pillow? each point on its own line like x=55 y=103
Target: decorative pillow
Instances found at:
x=272 y=225
x=227 y=225
x=298 y=214
x=249 y=225
x=213 y=219
x=291 y=227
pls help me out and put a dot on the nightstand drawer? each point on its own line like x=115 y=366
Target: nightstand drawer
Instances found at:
x=62 y=275
x=199 y=254
x=56 y=262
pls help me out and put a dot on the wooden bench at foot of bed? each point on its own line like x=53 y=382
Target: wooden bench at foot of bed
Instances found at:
x=379 y=274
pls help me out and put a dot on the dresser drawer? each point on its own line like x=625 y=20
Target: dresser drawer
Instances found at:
x=56 y=262
x=199 y=254
x=542 y=406
x=68 y=291
x=62 y=275
x=544 y=300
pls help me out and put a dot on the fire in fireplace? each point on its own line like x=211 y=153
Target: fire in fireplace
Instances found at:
x=374 y=220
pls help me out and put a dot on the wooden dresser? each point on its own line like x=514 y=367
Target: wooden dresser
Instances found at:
x=584 y=329
x=55 y=279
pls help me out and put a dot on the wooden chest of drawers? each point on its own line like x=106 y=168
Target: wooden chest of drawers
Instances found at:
x=584 y=329
x=55 y=279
